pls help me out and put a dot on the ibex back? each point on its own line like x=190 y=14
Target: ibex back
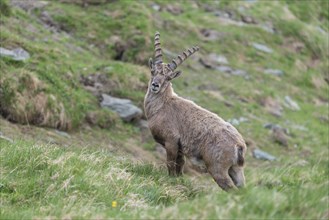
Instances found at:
x=185 y=129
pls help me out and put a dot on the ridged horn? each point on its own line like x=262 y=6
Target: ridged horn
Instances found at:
x=181 y=58
x=157 y=49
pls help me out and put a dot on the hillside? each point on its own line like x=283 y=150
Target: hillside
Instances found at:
x=262 y=66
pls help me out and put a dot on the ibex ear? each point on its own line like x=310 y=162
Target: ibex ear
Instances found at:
x=175 y=74
x=151 y=66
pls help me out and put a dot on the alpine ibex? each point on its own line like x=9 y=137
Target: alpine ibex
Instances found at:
x=185 y=129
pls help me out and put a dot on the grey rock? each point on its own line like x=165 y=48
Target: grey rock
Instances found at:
x=211 y=35
x=160 y=149
x=267 y=28
x=29 y=5
x=124 y=107
x=276 y=127
x=262 y=47
x=321 y=30
x=234 y=121
x=243 y=119
x=241 y=9
x=6 y=138
x=146 y=134
x=262 y=155
x=239 y=72
x=142 y=124
x=291 y=104
x=108 y=69
x=238 y=121
x=270 y=125
x=156 y=7
x=62 y=133
x=299 y=127
x=216 y=58
x=18 y=54
x=213 y=60
x=223 y=14
x=279 y=136
x=234 y=72
x=248 y=19
x=274 y=72
x=224 y=69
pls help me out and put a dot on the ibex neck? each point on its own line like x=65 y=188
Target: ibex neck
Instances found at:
x=153 y=103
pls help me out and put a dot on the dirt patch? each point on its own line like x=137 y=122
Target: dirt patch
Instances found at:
x=318 y=82
x=211 y=35
x=272 y=106
x=102 y=118
x=131 y=49
x=293 y=45
x=99 y=83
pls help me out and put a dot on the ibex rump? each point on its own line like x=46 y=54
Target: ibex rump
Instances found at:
x=186 y=129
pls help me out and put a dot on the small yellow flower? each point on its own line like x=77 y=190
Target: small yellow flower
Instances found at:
x=114 y=204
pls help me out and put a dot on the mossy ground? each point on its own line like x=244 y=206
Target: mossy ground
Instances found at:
x=44 y=174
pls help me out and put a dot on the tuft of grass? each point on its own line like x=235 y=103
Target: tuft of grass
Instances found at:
x=5 y=10
x=81 y=182
x=46 y=180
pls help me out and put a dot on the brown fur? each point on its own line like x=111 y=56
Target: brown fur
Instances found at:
x=185 y=128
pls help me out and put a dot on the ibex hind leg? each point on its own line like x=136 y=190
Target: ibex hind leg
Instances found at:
x=237 y=175
x=221 y=176
x=180 y=160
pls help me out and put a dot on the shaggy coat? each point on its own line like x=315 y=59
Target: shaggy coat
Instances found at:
x=185 y=129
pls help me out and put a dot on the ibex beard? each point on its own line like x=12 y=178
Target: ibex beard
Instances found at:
x=185 y=129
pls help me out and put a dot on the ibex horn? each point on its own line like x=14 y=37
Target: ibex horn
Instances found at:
x=175 y=63
x=157 y=49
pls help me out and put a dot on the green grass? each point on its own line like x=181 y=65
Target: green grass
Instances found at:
x=80 y=176
x=80 y=182
x=46 y=180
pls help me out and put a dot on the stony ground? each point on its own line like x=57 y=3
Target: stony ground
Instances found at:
x=66 y=152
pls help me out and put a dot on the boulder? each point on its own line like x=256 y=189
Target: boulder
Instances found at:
x=279 y=136
x=291 y=104
x=124 y=107
x=274 y=72
x=211 y=35
x=213 y=60
x=262 y=47
x=17 y=54
x=224 y=69
x=262 y=155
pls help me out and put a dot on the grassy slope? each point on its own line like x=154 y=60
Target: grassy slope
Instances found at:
x=41 y=180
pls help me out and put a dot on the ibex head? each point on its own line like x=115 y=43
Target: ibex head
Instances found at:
x=161 y=72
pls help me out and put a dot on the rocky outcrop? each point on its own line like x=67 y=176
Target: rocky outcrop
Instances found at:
x=124 y=107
